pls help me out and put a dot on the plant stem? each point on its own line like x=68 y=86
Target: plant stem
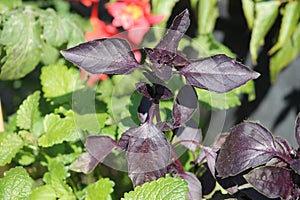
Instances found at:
x=1 y=119
x=177 y=162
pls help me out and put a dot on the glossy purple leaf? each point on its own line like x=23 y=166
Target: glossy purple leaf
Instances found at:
x=156 y=92
x=297 y=131
x=176 y=31
x=98 y=148
x=272 y=181
x=295 y=165
x=147 y=152
x=189 y=131
x=248 y=145
x=185 y=104
x=103 y=56
x=218 y=73
x=194 y=185
x=84 y=163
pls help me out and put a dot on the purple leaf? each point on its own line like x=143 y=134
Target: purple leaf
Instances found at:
x=297 y=131
x=84 y=163
x=98 y=148
x=148 y=153
x=185 y=104
x=272 y=181
x=156 y=92
x=144 y=108
x=283 y=149
x=103 y=56
x=248 y=145
x=295 y=165
x=190 y=131
x=194 y=185
x=176 y=31
x=218 y=73
x=211 y=157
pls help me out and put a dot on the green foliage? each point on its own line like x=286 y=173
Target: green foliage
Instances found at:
x=207 y=16
x=100 y=190
x=10 y=144
x=16 y=184
x=164 y=188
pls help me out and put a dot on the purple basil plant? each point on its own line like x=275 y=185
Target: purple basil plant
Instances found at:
x=150 y=155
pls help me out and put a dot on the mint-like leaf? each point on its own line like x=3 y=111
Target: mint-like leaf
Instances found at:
x=10 y=145
x=163 y=188
x=16 y=184
x=59 y=82
x=100 y=190
x=58 y=130
x=28 y=112
x=43 y=192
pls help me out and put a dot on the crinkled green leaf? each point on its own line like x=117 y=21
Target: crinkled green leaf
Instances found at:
x=7 y=5
x=248 y=9
x=21 y=38
x=59 y=82
x=207 y=15
x=163 y=188
x=285 y=55
x=45 y=192
x=266 y=13
x=227 y=100
x=290 y=19
x=100 y=190
x=16 y=184
x=28 y=112
x=10 y=144
x=58 y=130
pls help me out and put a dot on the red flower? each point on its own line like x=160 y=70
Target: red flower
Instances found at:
x=88 y=3
x=134 y=16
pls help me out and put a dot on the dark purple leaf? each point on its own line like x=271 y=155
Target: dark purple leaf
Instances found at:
x=98 y=148
x=248 y=145
x=219 y=140
x=148 y=153
x=84 y=163
x=272 y=181
x=295 y=165
x=194 y=185
x=185 y=104
x=283 y=149
x=164 y=126
x=210 y=155
x=103 y=56
x=189 y=131
x=143 y=109
x=276 y=162
x=176 y=31
x=297 y=131
x=156 y=92
x=218 y=73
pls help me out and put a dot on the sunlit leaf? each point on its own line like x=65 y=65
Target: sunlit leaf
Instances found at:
x=100 y=190
x=248 y=10
x=10 y=145
x=207 y=15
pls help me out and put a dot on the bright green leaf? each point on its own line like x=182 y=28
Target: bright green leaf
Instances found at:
x=100 y=190
x=7 y=5
x=248 y=9
x=10 y=144
x=49 y=54
x=58 y=130
x=21 y=38
x=285 y=55
x=44 y=192
x=28 y=112
x=266 y=13
x=59 y=82
x=207 y=15
x=163 y=188
x=289 y=21
x=16 y=184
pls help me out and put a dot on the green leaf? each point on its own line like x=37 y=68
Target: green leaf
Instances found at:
x=28 y=112
x=16 y=184
x=248 y=9
x=10 y=145
x=163 y=188
x=285 y=55
x=207 y=15
x=49 y=54
x=266 y=13
x=58 y=130
x=100 y=190
x=7 y=5
x=21 y=38
x=59 y=83
x=290 y=19
x=44 y=192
